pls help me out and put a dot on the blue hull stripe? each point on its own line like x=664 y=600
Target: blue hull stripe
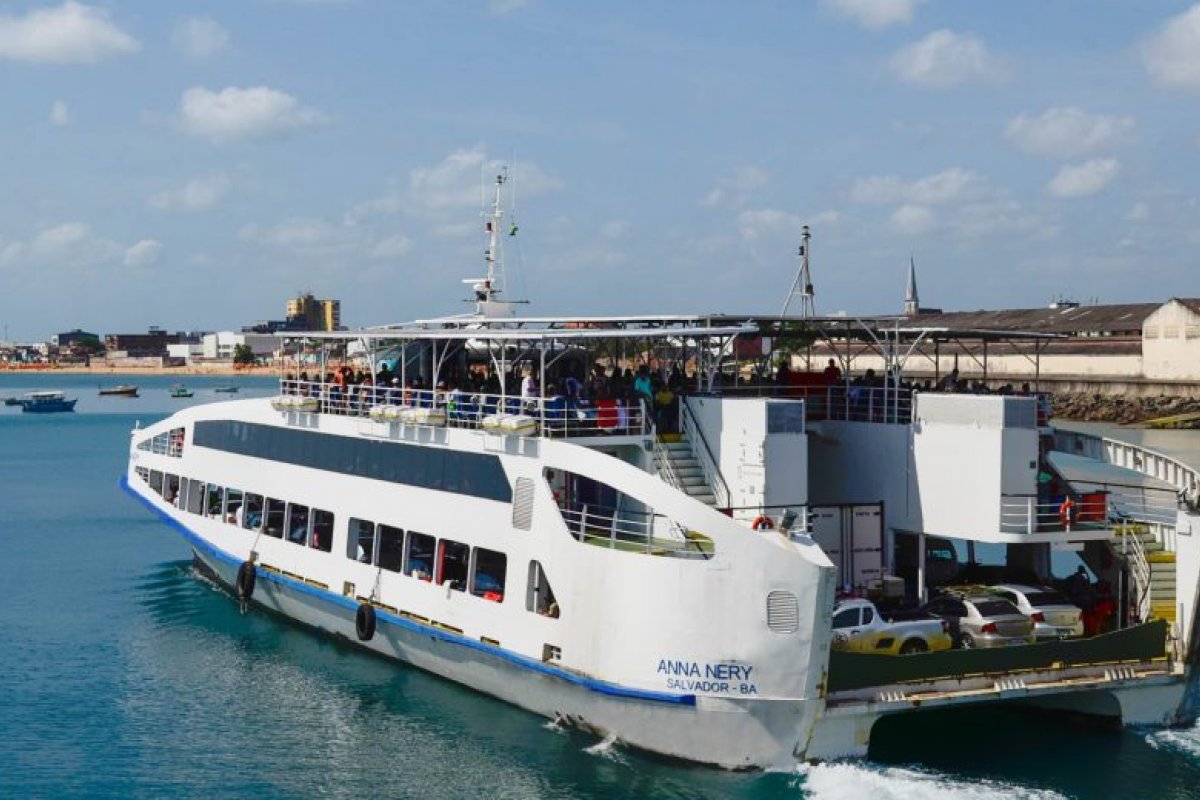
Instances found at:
x=602 y=687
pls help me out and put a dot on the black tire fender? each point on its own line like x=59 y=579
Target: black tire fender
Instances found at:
x=364 y=622
x=244 y=585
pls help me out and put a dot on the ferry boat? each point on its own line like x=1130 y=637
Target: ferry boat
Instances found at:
x=653 y=562
x=47 y=403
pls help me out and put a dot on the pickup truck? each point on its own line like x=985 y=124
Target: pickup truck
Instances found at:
x=860 y=627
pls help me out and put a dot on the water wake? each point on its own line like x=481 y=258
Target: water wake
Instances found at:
x=1185 y=741
x=853 y=781
x=608 y=748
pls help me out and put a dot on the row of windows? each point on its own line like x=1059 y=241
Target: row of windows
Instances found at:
x=298 y=523
x=444 y=562
x=474 y=474
x=478 y=570
x=169 y=443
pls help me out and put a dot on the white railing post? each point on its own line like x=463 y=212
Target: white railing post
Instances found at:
x=1030 y=514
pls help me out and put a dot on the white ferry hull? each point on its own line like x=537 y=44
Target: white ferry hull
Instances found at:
x=727 y=733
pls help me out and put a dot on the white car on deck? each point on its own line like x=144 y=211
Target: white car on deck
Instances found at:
x=1054 y=616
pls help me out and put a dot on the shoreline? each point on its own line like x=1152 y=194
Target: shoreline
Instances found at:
x=204 y=369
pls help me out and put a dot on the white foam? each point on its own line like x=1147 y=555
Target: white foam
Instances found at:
x=853 y=781
x=606 y=748
x=1185 y=741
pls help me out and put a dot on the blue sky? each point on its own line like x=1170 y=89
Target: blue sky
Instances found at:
x=192 y=164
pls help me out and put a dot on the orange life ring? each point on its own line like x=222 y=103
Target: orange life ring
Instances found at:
x=1066 y=511
x=762 y=523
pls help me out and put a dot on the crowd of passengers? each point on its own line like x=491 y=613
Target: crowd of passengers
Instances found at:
x=615 y=395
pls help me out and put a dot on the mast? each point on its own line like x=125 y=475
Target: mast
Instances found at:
x=803 y=284
x=488 y=289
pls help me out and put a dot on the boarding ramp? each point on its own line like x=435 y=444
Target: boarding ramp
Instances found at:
x=1157 y=533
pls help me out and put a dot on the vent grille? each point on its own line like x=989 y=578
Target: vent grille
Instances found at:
x=783 y=612
x=522 y=507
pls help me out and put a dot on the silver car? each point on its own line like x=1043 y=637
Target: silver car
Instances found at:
x=1054 y=616
x=982 y=620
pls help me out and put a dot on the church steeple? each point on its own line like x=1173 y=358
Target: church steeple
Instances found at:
x=912 y=303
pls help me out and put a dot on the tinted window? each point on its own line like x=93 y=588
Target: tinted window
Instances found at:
x=1047 y=599
x=474 y=474
x=273 y=517
x=391 y=548
x=846 y=619
x=867 y=616
x=454 y=558
x=419 y=560
x=297 y=524
x=253 y=517
x=994 y=608
x=322 y=529
x=488 y=579
x=360 y=544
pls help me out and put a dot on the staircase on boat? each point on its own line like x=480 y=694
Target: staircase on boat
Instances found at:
x=678 y=466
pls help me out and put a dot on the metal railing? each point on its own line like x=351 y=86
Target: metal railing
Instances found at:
x=703 y=454
x=544 y=416
x=840 y=403
x=633 y=532
x=793 y=518
x=1027 y=513
x=1134 y=553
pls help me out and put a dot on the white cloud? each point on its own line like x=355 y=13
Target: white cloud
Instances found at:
x=298 y=233
x=1139 y=212
x=1081 y=180
x=195 y=195
x=60 y=115
x=499 y=8
x=947 y=186
x=614 y=229
x=875 y=13
x=944 y=60
x=755 y=224
x=199 y=37
x=1066 y=132
x=235 y=113
x=1172 y=56
x=735 y=189
x=142 y=254
x=74 y=246
x=391 y=247
x=455 y=181
x=912 y=220
x=72 y=33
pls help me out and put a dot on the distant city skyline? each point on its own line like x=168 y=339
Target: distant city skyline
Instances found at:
x=192 y=167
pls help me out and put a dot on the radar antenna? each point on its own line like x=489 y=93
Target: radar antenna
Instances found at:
x=802 y=285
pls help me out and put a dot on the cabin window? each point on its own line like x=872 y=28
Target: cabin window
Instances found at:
x=214 y=507
x=142 y=473
x=539 y=597
x=360 y=544
x=253 y=518
x=233 y=506
x=171 y=489
x=196 y=496
x=391 y=548
x=487 y=579
x=297 y=524
x=418 y=558
x=453 y=560
x=322 y=529
x=846 y=619
x=273 y=517
x=156 y=481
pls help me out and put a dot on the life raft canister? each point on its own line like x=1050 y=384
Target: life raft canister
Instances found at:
x=762 y=523
x=364 y=622
x=244 y=585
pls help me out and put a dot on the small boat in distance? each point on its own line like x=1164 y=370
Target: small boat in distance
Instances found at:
x=181 y=391
x=12 y=401
x=47 y=403
x=124 y=390
x=226 y=389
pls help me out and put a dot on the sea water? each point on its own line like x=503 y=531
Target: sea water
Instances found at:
x=124 y=675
